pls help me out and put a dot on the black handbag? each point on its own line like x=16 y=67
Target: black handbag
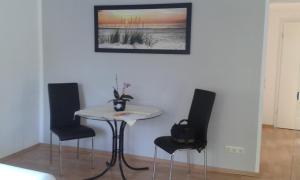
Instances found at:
x=183 y=133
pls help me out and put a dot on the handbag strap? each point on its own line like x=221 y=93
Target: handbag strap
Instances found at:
x=182 y=121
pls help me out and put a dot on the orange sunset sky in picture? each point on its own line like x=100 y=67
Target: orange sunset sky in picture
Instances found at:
x=173 y=16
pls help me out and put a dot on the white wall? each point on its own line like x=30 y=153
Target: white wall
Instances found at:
x=227 y=39
x=18 y=75
x=277 y=13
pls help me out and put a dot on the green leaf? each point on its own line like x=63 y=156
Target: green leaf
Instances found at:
x=116 y=94
x=122 y=96
x=125 y=96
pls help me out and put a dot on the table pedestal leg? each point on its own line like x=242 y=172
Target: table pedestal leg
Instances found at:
x=122 y=129
x=114 y=144
x=121 y=148
x=113 y=159
x=117 y=152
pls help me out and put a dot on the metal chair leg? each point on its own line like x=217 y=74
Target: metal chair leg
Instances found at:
x=60 y=159
x=154 y=163
x=93 y=154
x=171 y=166
x=51 y=159
x=77 y=149
x=205 y=163
x=189 y=161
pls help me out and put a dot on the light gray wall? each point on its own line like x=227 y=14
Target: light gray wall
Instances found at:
x=227 y=39
x=19 y=67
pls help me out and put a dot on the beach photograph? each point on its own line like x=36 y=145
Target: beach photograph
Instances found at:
x=154 y=29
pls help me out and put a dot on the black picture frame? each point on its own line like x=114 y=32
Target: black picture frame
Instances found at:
x=187 y=29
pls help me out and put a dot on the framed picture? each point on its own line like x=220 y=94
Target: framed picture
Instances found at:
x=155 y=28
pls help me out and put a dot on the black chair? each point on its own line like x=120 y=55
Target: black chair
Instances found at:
x=198 y=117
x=64 y=102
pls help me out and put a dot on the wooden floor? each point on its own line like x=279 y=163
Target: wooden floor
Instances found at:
x=280 y=161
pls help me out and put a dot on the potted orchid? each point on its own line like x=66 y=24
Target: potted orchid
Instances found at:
x=120 y=98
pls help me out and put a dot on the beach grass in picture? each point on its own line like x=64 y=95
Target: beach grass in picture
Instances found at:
x=159 y=28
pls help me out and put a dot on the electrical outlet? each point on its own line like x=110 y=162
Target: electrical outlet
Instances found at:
x=235 y=149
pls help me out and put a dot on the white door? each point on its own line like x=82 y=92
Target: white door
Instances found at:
x=289 y=81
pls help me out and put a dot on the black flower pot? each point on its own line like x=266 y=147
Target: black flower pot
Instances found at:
x=119 y=105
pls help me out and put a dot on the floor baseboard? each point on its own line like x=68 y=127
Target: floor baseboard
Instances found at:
x=268 y=126
x=6 y=158
x=163 y=162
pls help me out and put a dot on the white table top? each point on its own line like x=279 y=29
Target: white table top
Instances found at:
x=131 y=114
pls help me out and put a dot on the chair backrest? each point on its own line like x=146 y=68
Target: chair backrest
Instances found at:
x=64 y=102
x=200 y=112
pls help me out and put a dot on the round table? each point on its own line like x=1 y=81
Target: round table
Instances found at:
x=129 y=116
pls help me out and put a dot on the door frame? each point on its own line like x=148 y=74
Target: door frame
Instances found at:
x=278 y=65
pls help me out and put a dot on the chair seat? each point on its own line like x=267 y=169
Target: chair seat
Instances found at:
x=77 y=132
x=166 y=143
